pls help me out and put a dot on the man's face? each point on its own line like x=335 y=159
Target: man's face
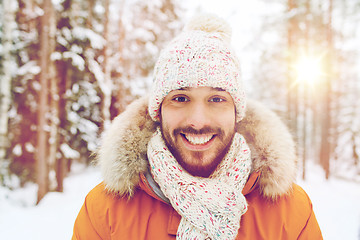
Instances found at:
x=198 y=125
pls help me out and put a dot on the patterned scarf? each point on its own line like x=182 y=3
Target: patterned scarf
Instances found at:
x=210 y=207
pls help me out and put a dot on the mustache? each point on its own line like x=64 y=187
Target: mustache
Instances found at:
x=204 y=130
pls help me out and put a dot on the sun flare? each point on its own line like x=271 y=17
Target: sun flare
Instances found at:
x=309 y=69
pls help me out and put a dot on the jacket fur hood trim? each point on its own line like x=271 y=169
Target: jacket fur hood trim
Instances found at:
x=122 y=155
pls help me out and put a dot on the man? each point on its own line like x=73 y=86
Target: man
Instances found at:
x=192 y=161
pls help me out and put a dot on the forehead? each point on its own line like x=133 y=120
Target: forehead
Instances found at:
x=198 y=90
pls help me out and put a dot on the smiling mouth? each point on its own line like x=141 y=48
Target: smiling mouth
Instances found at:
x=198 y=139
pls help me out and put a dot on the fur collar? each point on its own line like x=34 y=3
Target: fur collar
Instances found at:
x=122 y=154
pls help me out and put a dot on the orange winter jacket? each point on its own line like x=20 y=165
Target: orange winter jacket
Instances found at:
x=146 y=216
x=129 y=205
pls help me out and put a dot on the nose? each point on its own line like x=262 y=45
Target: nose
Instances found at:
x=198 y=115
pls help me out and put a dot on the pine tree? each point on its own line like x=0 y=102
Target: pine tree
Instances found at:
x=5 y=84
x=42 y=164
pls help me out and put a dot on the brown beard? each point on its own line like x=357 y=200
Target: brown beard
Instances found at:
x=195 y=170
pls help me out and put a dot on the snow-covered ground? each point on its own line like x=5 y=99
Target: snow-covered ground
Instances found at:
x=53 y=218
x=336 y=203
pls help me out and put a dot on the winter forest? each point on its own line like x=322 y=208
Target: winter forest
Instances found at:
x=68 y=67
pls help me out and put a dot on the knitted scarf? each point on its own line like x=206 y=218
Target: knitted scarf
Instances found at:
x=210 y=207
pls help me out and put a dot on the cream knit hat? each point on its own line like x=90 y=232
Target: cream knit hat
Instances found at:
x=200 y=56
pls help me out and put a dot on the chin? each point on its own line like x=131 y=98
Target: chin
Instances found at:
x=199 y=170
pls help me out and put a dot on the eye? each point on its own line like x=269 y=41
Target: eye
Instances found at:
x=217 y=99
x=180 y=99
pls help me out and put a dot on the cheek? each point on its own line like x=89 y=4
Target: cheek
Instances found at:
x=170 y=119
x=225 y=119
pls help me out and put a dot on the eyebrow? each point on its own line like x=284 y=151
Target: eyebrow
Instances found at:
x=183 y=89
x=220 y=89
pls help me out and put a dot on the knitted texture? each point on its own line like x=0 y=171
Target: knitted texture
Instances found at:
x=200 y=56
x=210 y=207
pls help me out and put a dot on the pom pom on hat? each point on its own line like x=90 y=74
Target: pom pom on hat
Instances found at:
x=200 y=56
x=212 y=24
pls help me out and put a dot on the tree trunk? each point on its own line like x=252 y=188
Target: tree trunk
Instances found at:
x=354 y=150
x=5 y=85
x=90 y=15
x=325 y=151
x=42 y=170
x=292 y=106
x=62 y=86
x=106 y=85
x=121 y=92
x=325 y=133
x=60 y=167
x=305 y=91
x=54 y=101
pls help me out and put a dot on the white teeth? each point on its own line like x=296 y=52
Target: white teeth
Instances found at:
x=197 y=140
